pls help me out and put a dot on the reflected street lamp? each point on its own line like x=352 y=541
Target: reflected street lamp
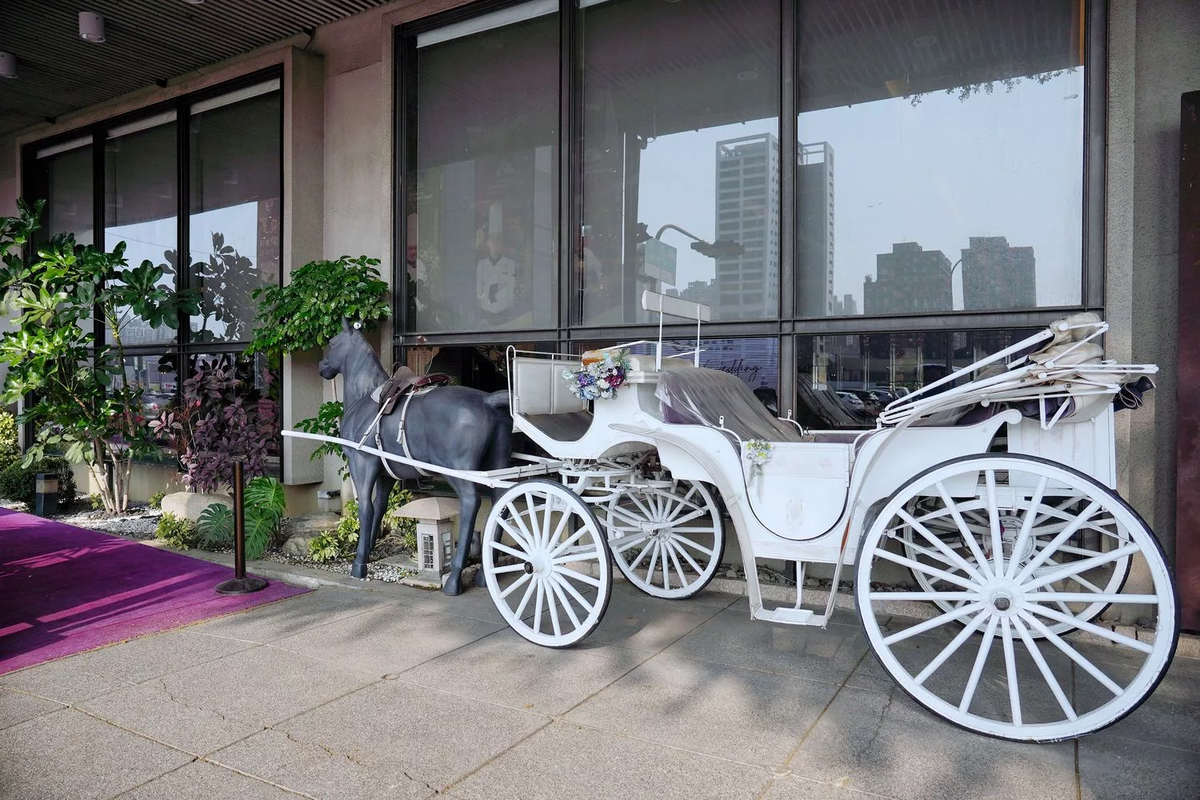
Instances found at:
x=721 y=248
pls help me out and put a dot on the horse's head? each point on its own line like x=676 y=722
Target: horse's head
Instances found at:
x=337 y=352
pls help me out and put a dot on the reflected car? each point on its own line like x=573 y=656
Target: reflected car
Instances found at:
x=851 y=401
x=154 y=402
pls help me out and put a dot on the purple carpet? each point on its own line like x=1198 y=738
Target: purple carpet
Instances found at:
x=64 y=590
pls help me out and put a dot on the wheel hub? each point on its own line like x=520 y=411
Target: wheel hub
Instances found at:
x=1002 y=597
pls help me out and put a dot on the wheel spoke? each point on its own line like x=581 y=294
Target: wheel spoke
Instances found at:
x=950 y=556
x=985 y=647
x=1010 y=668
x=509 y=568
x=571 y=590
x=692 y=543
x=1075 y=567
x=570 y=540
x=1072 y=653
x=955 y=568
x=642 y=554
x=930 y=624
x=927 y=596
x=1036 y=653
x=653 y=561
x=578 y=576
x=1027 y=525
x=1063 y=535
x=978 y=555
x=589 y=554
x=994 y=524
x=551 y=598
x=1105 y=633
x=503 y=548
x=672 y=551
x=649 y=514
x=951 y=648
x=676 y=543
x=555 y=584
x=917 y=565
x=518 y=537
x=525 y=599
x=626 y=542
x=1092 y=597
x=515 y=584
x=537 y=606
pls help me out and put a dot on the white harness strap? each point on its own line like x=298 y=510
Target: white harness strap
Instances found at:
x=374 y=427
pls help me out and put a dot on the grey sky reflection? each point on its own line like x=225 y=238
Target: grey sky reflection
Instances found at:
x=935 y=173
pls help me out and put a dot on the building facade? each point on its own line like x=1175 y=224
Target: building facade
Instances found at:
x=508 y=161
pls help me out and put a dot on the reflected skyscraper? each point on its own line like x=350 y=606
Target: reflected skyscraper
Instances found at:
x=908 y=280
x=814 y=207
x=748 y=213
x=997 y=276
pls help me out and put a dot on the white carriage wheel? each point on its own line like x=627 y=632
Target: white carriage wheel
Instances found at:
x=1091 y=539
x=1005 y=672
x=546 y=563
x=667 y=541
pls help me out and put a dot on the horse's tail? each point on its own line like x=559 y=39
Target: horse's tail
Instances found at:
x=497 y=400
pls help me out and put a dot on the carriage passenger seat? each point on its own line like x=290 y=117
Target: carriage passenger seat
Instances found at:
x=699 y=396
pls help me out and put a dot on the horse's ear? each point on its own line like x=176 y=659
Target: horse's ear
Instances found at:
x=346 y=325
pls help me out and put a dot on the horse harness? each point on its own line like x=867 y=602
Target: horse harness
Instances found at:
x=405 y=384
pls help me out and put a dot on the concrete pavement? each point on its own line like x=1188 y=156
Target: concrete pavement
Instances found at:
x=385 y=691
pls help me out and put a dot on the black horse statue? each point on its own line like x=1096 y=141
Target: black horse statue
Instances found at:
x=450 y=426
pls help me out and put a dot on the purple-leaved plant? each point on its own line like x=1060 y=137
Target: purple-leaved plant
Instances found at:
x=214 y=426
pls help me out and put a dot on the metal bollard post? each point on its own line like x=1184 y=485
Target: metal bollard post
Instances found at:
x=240 y=584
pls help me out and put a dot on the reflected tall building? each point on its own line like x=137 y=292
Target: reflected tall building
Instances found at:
x=814 y=207
x=997 y=276
x=748 y=213
x=909 y=280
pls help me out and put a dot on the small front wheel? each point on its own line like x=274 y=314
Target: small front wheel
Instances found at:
x=997 y=657
x=546 y=563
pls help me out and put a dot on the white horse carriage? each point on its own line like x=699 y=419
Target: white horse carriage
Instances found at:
x=979 y=516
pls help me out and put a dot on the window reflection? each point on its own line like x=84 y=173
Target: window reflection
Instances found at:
x=481 y=228
x=680 y=157
x=140 y=209
x=958 y=131
x=68 y=176
x=235 y=209
x=844 y=381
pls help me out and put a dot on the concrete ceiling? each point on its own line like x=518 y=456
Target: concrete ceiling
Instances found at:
x=147 y=42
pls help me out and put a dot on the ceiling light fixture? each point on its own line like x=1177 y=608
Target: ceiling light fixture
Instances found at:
x=194 y=2
x=91 y=27
x=8 y=65
x=925 y=41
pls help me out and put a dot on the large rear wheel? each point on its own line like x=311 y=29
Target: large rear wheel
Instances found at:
x=995 y=658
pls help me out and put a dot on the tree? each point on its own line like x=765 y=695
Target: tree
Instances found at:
x=81 y=401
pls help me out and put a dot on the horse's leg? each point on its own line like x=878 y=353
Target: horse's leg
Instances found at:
x=499 y=457
x=469 y=500
x=364 y=478
x=383 y=489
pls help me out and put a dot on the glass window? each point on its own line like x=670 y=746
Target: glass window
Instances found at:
x=958 y=134
x=482 y=221
x=680 y=115
x=235 y=143
x=67 y=171
x=845 y=380
x=140 y=208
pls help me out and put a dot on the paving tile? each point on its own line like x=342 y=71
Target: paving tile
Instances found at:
x=389 y=739
x=886 y=744
x=474 y=603
x=153 y=711
x=508 y=670
x=70 y=754
x=794 y=787
x=1113 y=768
x=148 y=657
x=568 y=761
x=64 y=680
x=202 y=781
x=750 y=716
x=1170 y=716
x=261 y=686
x=733 y=638
x=277 y=620
x=17 y=707
x=388 y=640
x=634 y=619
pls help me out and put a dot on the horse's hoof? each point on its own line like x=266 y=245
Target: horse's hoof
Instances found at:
x=358 y=571
x=452 y=587
x=480 y=578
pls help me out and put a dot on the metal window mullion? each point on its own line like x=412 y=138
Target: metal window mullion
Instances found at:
x=1095 y=28
x=789 y=105
x=570 y=164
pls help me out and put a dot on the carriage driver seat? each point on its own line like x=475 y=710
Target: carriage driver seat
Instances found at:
x=699 y=396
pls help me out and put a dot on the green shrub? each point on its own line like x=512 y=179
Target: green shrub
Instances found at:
x=10 y=449
x=156 y=499
x=264 y=505
x=176 y=532
x=214 y=528
x=403 y=527
x=20 y=483
x=340 y=543
x=96 y=502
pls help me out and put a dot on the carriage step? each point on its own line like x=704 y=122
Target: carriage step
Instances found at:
x=790 y=616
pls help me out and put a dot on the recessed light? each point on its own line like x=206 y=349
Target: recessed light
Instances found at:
x=747 y=75
x=8 y=65
x=91 y=27
x=925 y=41
x=194 y=2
